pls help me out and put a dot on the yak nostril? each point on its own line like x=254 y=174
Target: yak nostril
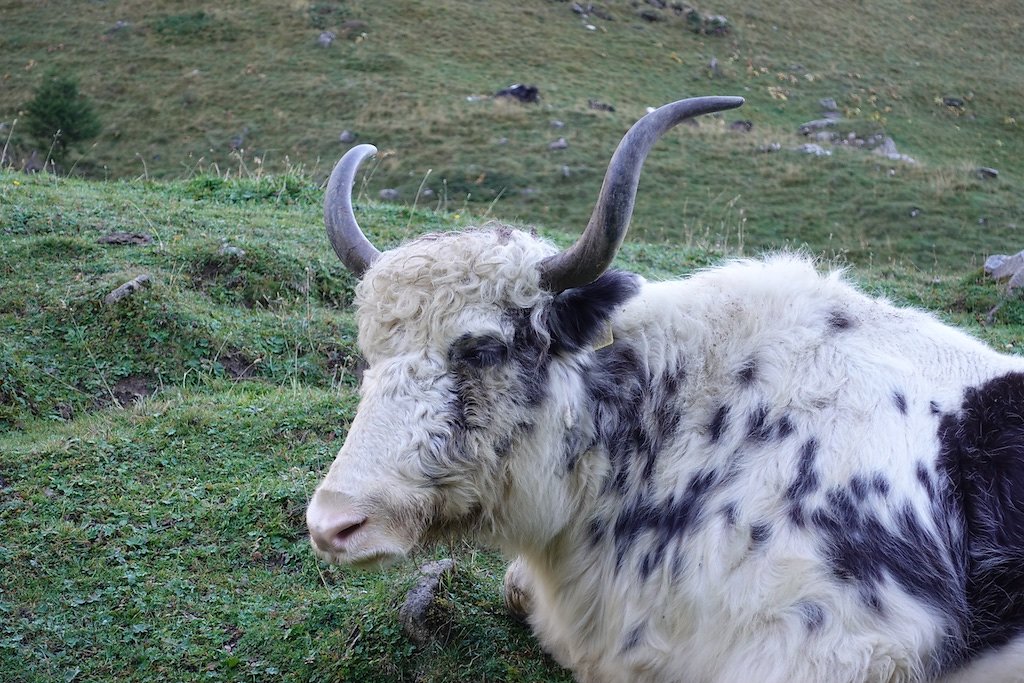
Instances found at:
x=343 y=530
x=334 y=534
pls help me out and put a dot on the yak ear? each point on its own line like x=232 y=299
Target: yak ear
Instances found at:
x=578 y=316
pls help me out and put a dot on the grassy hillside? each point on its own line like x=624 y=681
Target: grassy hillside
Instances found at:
x=236 y=87
x=156 y=454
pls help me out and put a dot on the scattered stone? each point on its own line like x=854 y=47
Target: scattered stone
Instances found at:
x=423 y=619
x=528 y=94
x=557 y=124
x=651 y=15
x=986 y=173
x=347 y=137
x=127 y=289
x=566 y=171
x=578 y=9
x=125 y=238
x=427 y=193
x=814 y=149
x=326 y=38
x=389 y=194
x=954 y=102
x=232 y=251
x=824 y=136
x=828 y=104
x=887 y=149
x=704 y=24
x=119 y=25
x=816 y=125
x=501 y=141
x=560 y=143
x=598 y=105
x=742 y=126
x=1002 y=267
x=238 y=140
x=713 y=68
x=994 y=264
x=769 y=148
x=915 y=212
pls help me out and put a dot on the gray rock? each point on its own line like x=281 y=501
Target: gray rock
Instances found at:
x=986 y=173
x=566 y=171
x=816 y=150
x=816 y=125
x=423 y=619
x=994 y=262
x=127 y=289
x=828 y=104
x=326 y=38
x=119 y=25
x=560 y=143
x=232 y=251
x=389 y=194
x=1001 y=267
x=347 y=137
x=887 y=149
x=555 y=123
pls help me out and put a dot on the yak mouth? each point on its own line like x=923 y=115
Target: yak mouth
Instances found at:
x=380 y=556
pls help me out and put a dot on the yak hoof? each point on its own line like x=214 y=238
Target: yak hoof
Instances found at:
x=518 y=595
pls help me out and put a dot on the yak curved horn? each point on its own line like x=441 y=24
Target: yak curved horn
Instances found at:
x=349 y=242
x=593 y=252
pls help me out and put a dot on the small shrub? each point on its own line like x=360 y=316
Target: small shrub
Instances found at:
x=59 y=115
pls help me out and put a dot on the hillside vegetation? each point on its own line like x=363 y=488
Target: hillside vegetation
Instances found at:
x=236 y=87
x=157 y=452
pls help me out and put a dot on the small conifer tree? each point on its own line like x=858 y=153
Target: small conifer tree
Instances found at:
x=59 y=115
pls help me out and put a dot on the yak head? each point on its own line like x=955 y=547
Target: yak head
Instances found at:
x=474 y=342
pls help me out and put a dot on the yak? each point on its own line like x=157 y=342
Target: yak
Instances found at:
x=754 y=473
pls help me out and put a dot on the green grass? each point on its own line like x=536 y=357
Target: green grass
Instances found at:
x=244 y=87
x=163 y=539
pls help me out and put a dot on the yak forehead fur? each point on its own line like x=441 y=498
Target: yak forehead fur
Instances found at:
x=428 y=292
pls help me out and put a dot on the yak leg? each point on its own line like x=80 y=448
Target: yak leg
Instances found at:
x=518 y=591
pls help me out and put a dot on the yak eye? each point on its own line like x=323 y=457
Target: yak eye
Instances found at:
x=479 y=352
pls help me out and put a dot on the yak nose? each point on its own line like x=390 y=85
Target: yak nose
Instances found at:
x=332 y=522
